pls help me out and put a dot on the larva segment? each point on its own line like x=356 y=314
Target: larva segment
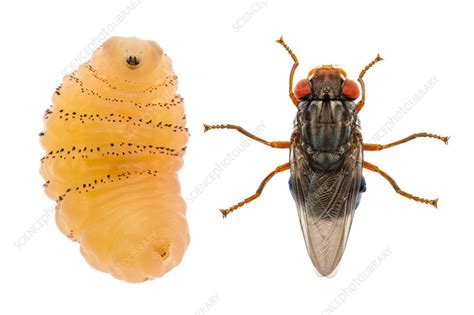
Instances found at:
x=114 y=140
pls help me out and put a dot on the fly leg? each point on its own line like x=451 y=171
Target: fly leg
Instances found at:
x=257 y=194
x=361 y=103
x=392 y=182
x=293 y=69
x=378 y=147
x=273 y=144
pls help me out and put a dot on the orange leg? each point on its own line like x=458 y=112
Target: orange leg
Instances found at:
x=392 y=182
x=273 y=144
x=257 y=194
x=361 y=103
x=293 y=69
x=378 y=147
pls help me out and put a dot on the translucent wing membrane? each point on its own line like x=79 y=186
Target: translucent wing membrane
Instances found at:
x=326 y=202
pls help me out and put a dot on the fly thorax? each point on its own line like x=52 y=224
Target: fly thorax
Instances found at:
x=326 y=128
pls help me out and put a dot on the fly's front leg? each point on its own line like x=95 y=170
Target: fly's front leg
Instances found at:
x=378 y=147
x=273 y=144
x=257 y=194
x=293 y=69
x=373 y=168
x=361 y=103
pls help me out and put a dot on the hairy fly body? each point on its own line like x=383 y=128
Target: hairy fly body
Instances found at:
x=326 y=159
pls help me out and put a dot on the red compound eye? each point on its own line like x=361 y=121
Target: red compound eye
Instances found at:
x=350 y=89
x=302 y=89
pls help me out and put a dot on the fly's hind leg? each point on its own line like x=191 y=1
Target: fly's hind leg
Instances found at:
x=273 y=144
x=293 y=69
x=378 y=147
x=392 y=182
x=257 y=194
x=361 y=103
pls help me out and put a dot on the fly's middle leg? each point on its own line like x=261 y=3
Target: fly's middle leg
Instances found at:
x=293 y=69
x=257 y=194
x=273 y=144
x=361 y=103
x=373 y=168
x=378 y=147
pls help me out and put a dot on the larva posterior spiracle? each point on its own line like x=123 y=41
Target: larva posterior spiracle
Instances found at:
x=114 y=140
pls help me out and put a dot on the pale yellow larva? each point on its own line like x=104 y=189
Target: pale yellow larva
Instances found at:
x=114 y=140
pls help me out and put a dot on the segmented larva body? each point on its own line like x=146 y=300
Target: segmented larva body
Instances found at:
x=114 y=140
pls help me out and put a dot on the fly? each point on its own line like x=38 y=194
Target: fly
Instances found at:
x=326 y=159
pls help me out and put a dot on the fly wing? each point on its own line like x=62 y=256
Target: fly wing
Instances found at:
x=326 y=202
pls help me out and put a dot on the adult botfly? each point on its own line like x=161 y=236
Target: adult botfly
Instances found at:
x=326 y=159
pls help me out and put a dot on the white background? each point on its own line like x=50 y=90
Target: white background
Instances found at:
x=255 y=262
